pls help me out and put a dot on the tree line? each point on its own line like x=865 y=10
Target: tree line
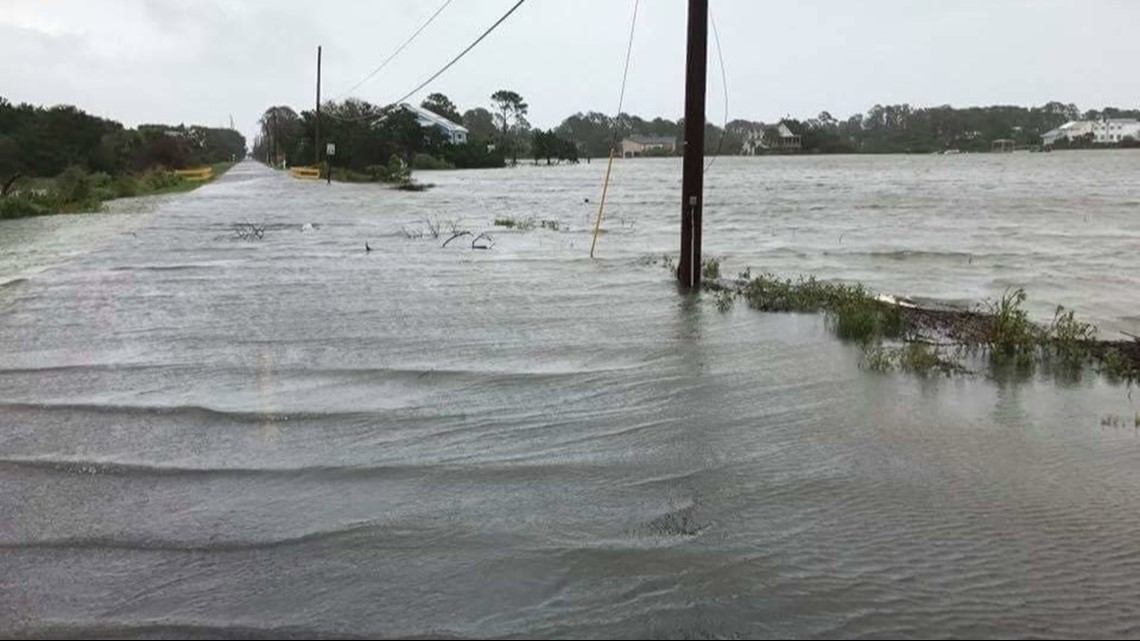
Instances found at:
x=882 y=129
x=45 y=141
x=369 y=136
x=61 y=159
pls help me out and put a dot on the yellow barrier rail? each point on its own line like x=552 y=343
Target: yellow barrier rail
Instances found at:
x=196 y=175
x=306 y=173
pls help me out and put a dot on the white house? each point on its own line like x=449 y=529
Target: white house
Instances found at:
x=456 y=134
x=637 y=146
x=1114 y=130
x=760 y=137
x=1107 y=131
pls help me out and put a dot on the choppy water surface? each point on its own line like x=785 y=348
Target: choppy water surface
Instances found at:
x=202 y=436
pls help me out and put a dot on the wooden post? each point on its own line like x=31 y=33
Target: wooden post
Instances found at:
x=692 y=188
x=317 y=143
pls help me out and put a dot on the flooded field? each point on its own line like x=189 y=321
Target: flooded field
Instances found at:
x=205 y=435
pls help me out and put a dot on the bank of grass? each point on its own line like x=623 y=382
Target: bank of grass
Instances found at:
x=396 y=174
x=76 y=191
x=928 y=341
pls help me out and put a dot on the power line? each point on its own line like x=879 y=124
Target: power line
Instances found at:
x=613 y=141
x=724 y=85
x=628 y=56
x=384 y=110
x=397 y=51
x=462 y=53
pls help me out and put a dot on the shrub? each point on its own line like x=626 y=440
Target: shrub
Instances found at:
x=23 y=205
x=159 y=179
x=393 y=172
x=102 y=187
x=73 y=185
x=125 y=186
x=429 y=162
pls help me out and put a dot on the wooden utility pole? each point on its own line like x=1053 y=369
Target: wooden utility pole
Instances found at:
x=317 y=143
x=692 y=188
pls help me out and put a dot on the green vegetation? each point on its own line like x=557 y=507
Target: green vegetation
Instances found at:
x=368 y=135
x=1012 y=338
x=1070 y=338
x=710 y=268
x=725 y=300
x=851 y=310
x=442 y=106
x=1116 y=366
x=63 y=160
x=510 y=118
x=429 y=162
x=76 y=191
x=525 y=224
x=528 y=224
x=548 y=145
x=918 y=358
x=879 y=359
x=915 y=340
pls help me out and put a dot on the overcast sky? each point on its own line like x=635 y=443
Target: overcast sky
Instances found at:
x=202 y=61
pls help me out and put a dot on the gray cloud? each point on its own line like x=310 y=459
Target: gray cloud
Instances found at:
x=147 y=60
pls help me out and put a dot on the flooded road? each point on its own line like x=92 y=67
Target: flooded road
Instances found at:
x=205 y=436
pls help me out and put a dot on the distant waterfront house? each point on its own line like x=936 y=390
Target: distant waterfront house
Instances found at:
x=764 y=138
x=637 y=146
x=456 y=134
x=752 y=141
x=1114 y=130
x=1068 y=131
x=1108 y=131
x=781 y=138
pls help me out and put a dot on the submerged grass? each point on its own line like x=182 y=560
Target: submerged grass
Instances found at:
x=852 y=311
x=1002 y=331
x=521 y=224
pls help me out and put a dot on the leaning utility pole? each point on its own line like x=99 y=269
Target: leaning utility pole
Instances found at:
x=692 y=188
x=317 y=142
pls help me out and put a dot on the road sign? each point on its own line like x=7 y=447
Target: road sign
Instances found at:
x=330 y=149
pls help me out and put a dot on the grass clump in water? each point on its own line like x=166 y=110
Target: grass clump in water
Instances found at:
x=525 y=224
x=1012 y=337
x=1116 y=366
x=878 y=358
x=1002 y=330
x=725 y=300
x=710 y=268
x=924 y=359
x=921 y=359
x=852 y=311
x=1070 y=339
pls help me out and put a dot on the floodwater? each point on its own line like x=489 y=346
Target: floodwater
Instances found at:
x=205 y=436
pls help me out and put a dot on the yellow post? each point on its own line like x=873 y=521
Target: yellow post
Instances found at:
x=602 y=205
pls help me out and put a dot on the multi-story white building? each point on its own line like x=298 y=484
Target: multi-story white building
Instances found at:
x=1114 y=130
x=1107 y=131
